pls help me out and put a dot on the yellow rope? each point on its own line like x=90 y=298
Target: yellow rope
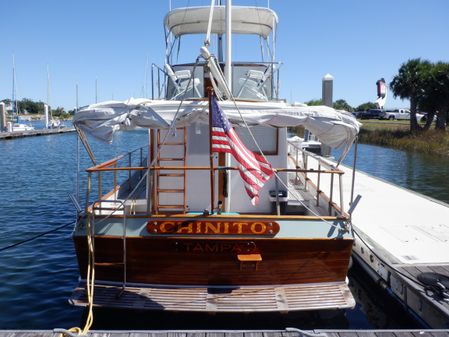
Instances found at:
x=90 y=284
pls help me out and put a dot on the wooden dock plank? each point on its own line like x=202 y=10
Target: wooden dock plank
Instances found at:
x=348 y=334
x=33 y=133
x=231 y=333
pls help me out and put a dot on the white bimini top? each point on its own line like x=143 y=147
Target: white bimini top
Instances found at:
x=245 y=20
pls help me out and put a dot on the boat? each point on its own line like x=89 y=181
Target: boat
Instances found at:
x=219 y=213
x=19 y=127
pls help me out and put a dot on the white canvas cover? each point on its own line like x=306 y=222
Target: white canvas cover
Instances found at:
x=332 y=127
x=245 y=20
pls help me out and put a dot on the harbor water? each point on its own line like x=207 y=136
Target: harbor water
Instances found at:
x=36 y=279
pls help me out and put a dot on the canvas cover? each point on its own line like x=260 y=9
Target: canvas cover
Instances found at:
x=334 y=128
x=245 y=20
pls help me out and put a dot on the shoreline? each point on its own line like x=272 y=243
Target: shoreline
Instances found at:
x=397 y=135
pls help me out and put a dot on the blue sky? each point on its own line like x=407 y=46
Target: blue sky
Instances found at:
x=357 y=41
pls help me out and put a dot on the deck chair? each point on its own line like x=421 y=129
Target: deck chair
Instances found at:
x=180 y=80
x=253 y=84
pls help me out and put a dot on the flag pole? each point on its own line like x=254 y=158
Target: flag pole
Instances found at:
x=210 y=92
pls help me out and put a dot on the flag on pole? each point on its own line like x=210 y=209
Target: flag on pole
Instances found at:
x=253 y=168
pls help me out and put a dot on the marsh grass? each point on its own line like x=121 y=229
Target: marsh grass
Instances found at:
x=397 y=135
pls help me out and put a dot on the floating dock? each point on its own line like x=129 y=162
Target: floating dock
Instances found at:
x=238 y=333
x=400 y=235
x=402 y=239
x=32 y=133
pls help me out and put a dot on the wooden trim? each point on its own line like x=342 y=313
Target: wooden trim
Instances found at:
x=324 y=196
x=207 y=168
x=232 y=216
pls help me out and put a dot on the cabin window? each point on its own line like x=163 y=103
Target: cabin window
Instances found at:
x=266 y=137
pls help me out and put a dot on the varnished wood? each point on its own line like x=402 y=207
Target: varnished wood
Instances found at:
x=193 y=227
x=214 y=261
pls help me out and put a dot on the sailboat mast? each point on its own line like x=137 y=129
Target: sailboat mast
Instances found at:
x=13 y=98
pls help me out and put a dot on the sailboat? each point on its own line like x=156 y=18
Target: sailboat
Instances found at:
x=15 y=125
x=219 y=213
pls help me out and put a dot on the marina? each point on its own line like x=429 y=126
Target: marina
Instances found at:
x=202 y=212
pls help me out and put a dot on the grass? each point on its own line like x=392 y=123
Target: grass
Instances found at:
x=397 y=135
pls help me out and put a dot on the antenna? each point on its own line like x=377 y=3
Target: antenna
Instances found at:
x=96 y=90
x=145 y=85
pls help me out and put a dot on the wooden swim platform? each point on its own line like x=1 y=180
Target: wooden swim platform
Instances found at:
x=300 y=297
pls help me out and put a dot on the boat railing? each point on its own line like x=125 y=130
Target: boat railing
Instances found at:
x=310 y=162
x=117 y=169
x=158 y=82
x=308 y=175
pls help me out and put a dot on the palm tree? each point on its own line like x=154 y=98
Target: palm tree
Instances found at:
x=435 y=96
x=409 y=83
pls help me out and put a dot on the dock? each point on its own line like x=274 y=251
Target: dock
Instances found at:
x=402 y=239
x=290 y=332
x=400 y=236
x=33 y=133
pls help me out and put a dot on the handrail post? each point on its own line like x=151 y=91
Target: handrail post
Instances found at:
x=129 y=165
x=305 y=158
x=296 y=164
x=318 y=185
x=89 y=181
x=99 y=185
x=115 y=177
x=141 y=159
x=152 y=81
x=340 y=182
x=159 y=83
x=331 y=194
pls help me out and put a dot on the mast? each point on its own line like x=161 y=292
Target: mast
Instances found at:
x=210 y=92
x=13 y=98
x=47 y=109
x=228 y=68
x=228 y=75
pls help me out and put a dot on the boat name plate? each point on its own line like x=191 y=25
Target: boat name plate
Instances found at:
x=216 y=247
x=213 y=227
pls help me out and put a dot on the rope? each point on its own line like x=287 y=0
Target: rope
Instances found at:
x=90 y=286
x=35 y=237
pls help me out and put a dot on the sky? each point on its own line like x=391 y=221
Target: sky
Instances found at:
x=108 y=42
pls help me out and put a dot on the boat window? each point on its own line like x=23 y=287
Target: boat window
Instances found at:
x=266 y=137
x=252 y=81
x=181 y=84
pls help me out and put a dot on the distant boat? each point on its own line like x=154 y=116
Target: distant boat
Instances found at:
x=19 y=127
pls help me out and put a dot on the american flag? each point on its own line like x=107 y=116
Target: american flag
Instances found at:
x=253 y=168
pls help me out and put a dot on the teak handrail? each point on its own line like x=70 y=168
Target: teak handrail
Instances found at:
x=105 y=168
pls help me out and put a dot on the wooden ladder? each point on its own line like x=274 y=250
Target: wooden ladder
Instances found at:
x=171 y=184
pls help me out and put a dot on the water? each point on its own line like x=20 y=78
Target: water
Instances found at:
x=419 y=172
x=36 y=279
